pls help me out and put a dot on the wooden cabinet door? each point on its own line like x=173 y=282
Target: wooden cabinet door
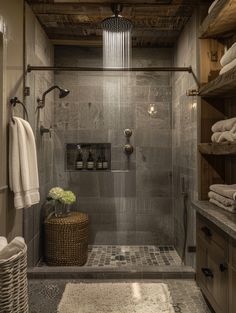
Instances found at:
x=217 y=285
x=201 y=262
x=232 y=290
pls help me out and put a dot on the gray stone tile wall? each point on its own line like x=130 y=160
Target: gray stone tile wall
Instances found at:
x=134 y=205
x=36 y=54
x=184 y=139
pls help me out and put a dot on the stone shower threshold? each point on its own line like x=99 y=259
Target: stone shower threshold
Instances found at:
x=120 y=262
x=77 y=272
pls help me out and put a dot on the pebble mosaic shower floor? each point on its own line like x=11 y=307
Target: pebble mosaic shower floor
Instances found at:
x=116 y=256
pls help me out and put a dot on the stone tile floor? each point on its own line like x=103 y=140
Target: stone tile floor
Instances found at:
x=116 y=256
x=45 y=295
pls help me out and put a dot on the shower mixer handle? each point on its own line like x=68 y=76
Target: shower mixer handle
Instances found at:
x=128 y=133
x=128 y=149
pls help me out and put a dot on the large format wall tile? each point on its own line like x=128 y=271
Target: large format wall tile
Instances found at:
x=36 y=54
x=132 y=204
x=184 y=140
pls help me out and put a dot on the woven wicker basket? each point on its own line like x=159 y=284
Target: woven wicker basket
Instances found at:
x=66 y=240
x=13 y=284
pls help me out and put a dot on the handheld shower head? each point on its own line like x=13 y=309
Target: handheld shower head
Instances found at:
x=62 y=93
x=116 y=23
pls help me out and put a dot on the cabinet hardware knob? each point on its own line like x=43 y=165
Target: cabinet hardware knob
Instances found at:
x=207 y=272
x=223 y=267
x=206 y=231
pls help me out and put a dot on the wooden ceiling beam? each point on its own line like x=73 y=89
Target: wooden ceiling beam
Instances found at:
x=104 y=2
x=86 y=8
x=95 y=37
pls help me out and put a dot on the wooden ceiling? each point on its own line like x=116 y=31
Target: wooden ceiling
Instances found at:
x=156 y=22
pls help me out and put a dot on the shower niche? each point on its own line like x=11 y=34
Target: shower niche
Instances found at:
x=88 y=157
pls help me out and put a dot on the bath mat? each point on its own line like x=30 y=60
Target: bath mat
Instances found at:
x=116 y=298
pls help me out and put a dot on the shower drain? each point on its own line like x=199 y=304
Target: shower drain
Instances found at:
x=120 y=257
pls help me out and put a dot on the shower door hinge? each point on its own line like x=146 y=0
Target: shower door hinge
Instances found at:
x=27 y=91
x=192 y=249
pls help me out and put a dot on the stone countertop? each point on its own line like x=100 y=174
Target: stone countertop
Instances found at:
x=226 y=221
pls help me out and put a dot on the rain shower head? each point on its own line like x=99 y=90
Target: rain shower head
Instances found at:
x=62 y=93
x=116 y=23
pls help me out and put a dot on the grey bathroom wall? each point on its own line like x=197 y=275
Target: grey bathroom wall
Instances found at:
x=184 y=148
x=11 y=85
x=39 y=51
x=132 y=204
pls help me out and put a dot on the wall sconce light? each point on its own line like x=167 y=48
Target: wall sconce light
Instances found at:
x=152 y=110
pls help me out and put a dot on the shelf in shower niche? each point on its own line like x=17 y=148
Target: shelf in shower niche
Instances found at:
x=98 y=150
x=217 y=148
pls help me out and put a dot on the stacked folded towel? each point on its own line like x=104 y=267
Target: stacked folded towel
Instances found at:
x=3 y=242
x=224 y=196
x=224 y=131
x=13 y=248
x=212 y=6
x=228 y=61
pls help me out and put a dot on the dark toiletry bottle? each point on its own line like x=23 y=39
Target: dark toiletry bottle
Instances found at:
x=90 y=161
x=104 y=161
x=99 y=163
x=79 y=160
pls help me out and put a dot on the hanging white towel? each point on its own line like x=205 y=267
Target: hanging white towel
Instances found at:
x=23 y=168
x=229 y=55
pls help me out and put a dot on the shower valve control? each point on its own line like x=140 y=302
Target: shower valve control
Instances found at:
x=128 y=133
x=128 y=148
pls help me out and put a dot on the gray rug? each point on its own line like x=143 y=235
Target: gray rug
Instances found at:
x=116 y=298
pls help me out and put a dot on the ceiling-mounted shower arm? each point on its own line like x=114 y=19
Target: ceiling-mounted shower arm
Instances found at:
x=116 y=8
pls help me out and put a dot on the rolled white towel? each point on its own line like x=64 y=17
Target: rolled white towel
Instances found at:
x=223 y=200
x=212 y=6
x=226 y=136
x=224 y=125
x=3 y=242
x=228 y=191
x=228 y=67
x=14 y=247
x=229 y=55
x=220 y=205
x=216 y=136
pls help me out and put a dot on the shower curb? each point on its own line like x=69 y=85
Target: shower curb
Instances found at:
x=160 y=272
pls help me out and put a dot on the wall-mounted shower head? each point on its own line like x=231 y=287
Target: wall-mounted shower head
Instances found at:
x=116 y=23
x=62 y=93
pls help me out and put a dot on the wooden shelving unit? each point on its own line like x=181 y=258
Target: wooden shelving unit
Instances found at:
x=217 y=148
x=217 y=162
x=217 y=97
x=222 y=86
x=221 y=21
